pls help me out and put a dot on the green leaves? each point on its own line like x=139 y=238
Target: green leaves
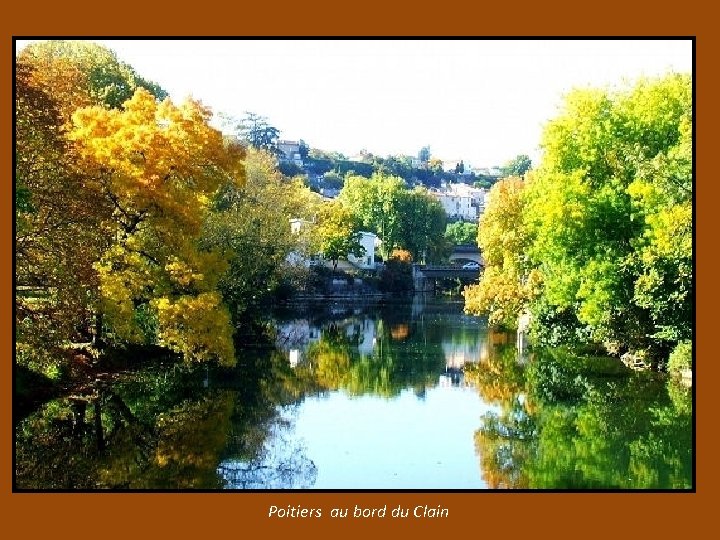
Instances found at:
x=617 y=167
x=109 y=81
x=337 y=234
x=403 y=219
x=461 y=233
x=517 y=166
x=605 y=222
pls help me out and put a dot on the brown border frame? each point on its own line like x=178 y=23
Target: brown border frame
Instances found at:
x=207 y=515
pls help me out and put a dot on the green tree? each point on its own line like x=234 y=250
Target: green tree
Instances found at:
x=508 y=282
x=108 y=80
x=461 y=233
x=423 y=222
x=610 y=209
x=598 y=244
x=402 y=218
x=254 y=130
x=517 y=166
x=250 y=224
x=375 y=203
x=332 y=180
x=337 y=234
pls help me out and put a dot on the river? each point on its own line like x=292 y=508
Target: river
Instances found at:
x=379 y=395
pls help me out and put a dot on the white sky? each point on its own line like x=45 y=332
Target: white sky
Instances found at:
x=483 y=101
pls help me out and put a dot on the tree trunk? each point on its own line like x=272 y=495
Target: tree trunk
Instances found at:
x=98 y=342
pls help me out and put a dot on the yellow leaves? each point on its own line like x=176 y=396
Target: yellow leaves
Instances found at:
x=670 y=233
x=161 y=164
x=504 y=287
x=155 y=150
x=196 y=326
x=181 y=272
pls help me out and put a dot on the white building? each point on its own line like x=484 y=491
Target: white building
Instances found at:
x=290 y=152
x=301 y=227
x=369 y=242
x=298 y=224
x=461 y=201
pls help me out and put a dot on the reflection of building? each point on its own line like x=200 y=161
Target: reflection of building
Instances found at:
x=366 y=335
x=459 y=354
x=293 y=338
x=452 y=377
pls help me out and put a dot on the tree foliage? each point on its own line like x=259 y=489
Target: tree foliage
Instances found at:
x=402 y=218
x=615 y=187
x=254 y=130
x=158 y=165
x=461 y=233
x=61 y=218
x=605 y=223
x=560 y=427
x=250 y=224
x=106 y=80
x=64 y=220
x=517 y=166
x=507 y=283
x=337 y=233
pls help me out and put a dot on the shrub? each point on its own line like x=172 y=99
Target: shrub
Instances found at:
x=681 y=357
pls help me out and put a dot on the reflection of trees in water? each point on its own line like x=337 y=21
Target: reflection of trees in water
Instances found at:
x=393 y=365
x=67 y=443
x=279 y=463
x=386 y=349
x=158 y=430
x=570 y=422
x=505 y=443
x=500 y=379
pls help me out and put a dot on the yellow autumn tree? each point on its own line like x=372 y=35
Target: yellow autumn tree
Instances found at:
x=507 y=283
x=60 y=221
x=158 y=165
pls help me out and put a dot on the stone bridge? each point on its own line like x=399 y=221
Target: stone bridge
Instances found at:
x=425 y=276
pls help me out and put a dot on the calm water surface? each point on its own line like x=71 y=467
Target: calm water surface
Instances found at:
x=380 y=396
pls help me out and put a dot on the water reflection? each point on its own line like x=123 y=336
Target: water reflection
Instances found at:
x=569 y=422
x=383 y=349
x=279 y=463
x=367 y=396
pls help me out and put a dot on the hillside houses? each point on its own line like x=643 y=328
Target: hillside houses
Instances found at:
x=290 y=152
x=461 y=201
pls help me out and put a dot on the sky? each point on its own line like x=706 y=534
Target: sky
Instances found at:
x=483 y=101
